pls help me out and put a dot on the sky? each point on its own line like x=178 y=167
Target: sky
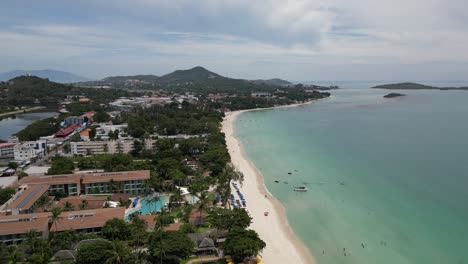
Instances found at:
x=298 y=40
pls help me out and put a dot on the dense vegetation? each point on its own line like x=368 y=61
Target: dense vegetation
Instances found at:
x=37 y=129
x=6 y=193
x=31 y=90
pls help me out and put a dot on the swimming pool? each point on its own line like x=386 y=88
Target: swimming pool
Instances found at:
x=148 y=208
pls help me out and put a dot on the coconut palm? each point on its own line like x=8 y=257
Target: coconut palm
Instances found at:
x=152 y=200
x=202 y=204
x=42 y=202
x=119 y=253
x=15 y=255
x=68 y=207
x=55 y=216
x=83 y=205
x=31 y=238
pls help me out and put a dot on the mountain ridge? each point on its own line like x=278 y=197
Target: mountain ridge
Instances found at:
x=53 y=75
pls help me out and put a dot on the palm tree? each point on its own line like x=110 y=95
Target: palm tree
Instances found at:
x=202 y=205
x=68 y=207
x=140 y=256
x=120 y=253
x=56 y=211
x=31 y=238
x=176 y=197
x=152 y=200
x=15 y=255
x=83 y=205
x=42 y=201
x=138 y=227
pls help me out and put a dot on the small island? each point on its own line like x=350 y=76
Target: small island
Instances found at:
x=416 y=86
x=394 y=95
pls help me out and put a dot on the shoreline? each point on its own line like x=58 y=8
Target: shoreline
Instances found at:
x=283 y=246
x=22 y=111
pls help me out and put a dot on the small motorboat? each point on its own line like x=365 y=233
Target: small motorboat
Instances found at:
x=300 y=189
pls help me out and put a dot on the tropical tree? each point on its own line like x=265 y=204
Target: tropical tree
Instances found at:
x=138 y=229
x=119 y=253
x=95 y=253
x=202 y=205
x=43 y=201
x=42 y=252
x=55 y=216
x=226 y=219
x=15 y=255
x=83 y=205
x=68 y=207
x=241 y=244
x=169 y=247
x=116 y=229
x=152 y=200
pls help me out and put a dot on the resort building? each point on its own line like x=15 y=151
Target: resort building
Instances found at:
x=108 y=182
x=132 y=182
x=68 y=183
x=27 y=200
x=124 y=146
x=14 y=228
x=7 y=151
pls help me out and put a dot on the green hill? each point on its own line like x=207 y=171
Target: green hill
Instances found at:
x=196 y=74
x=32 y=90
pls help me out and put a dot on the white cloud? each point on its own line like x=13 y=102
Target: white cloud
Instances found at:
x=242 y=37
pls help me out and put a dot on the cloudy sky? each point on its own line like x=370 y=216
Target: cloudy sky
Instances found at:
x=301 y=40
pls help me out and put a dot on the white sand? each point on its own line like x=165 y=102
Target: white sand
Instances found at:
x=282 y=244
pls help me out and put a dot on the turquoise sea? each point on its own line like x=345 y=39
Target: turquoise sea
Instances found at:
x=387 y=178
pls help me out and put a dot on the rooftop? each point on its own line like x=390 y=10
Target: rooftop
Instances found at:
x=51 y=179
x=27 y=199
x=88 y=218
x=23 y=223
x=86 y=178
x=116 y=176
x=94 y=202
x=7 y=144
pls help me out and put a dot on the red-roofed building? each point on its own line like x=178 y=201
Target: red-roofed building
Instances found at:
x=67 y=131
x=89 y=115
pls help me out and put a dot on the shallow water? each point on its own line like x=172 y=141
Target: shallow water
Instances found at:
x=387 y=178
x=9 y=125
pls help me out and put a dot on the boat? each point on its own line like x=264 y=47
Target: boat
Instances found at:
x=300 y=189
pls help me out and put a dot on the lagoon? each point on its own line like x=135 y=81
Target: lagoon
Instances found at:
x=11 y=125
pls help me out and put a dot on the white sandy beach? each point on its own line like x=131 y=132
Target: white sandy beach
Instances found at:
x=282 y=244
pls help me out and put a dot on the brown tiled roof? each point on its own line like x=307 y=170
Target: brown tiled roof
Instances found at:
x=123 y=196
x=26 y=199
x=11 y=224
x=88 y=218
x=149 y=219
x=172 y=227
x=151 y=222
x=94 y=202
x=51 y=179
x=116 y=176
x=195 y=215
x=86 y=178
